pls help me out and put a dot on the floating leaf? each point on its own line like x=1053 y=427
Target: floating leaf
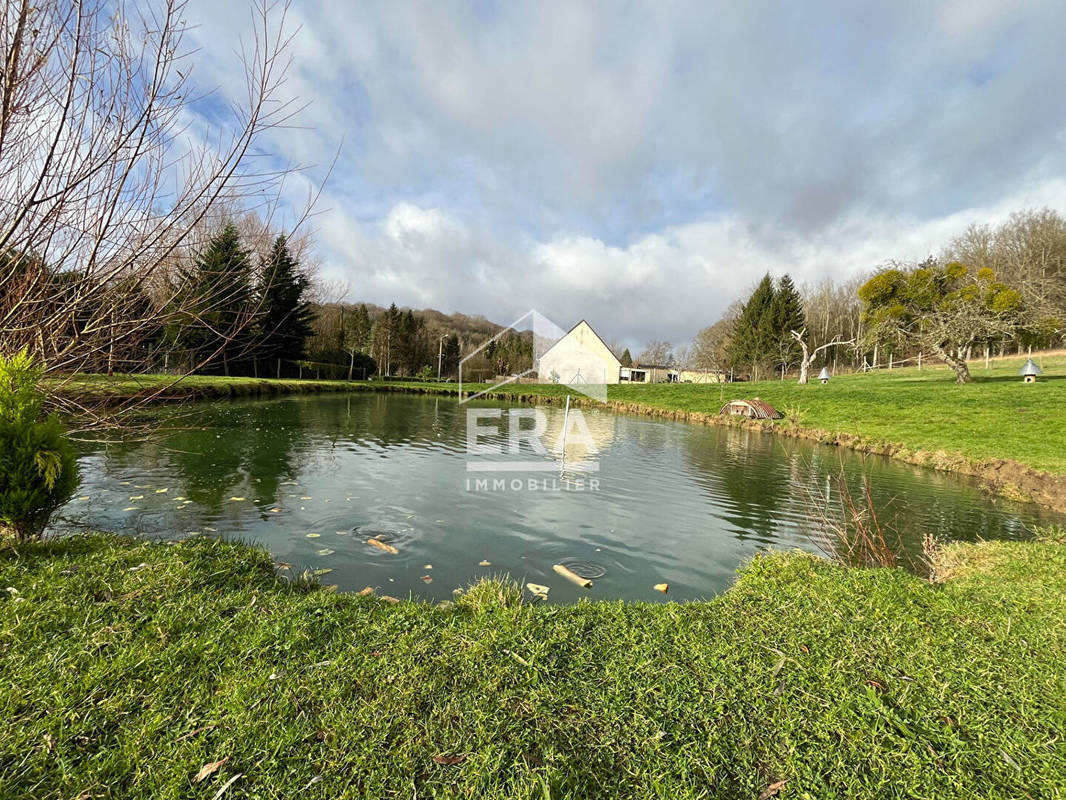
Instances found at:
x=237 y=499
x=209 y=769
x=83 y=498
x=662 y=587
x=537 y=588
x=380 y=545
x=161 y=491
x=137 y=497
x=427 y=579
x=313 y=535
x=305 y=498
x=323 y=571
x=130 y=508
x=275 y=510
x=343 y=533
x=428 y=566
x=325 y=551
x=484 y=563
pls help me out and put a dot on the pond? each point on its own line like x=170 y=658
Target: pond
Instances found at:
x=635 y=501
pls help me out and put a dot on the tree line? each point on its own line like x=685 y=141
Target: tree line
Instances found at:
x=991 y=290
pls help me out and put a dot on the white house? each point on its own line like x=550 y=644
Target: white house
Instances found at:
x=580 y=356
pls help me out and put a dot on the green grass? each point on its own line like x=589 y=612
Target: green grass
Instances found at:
x=127 y=666
x=89 y=388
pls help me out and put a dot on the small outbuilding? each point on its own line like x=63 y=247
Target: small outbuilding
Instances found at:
x=1030 y=371
x=752 y=409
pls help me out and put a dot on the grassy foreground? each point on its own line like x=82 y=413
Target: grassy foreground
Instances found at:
x=127 y=669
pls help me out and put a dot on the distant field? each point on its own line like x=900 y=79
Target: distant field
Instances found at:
x=997 y=417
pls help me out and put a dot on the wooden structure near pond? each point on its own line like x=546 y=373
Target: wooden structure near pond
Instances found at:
x=752 y=409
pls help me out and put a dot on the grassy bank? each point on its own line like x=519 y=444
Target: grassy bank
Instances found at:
x=115 y=389
x=126 y=667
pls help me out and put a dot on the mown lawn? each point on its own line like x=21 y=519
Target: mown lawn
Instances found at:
x=126 y=667
x=87 y=388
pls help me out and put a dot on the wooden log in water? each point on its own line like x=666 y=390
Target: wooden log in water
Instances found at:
x=380 y=545
x=572 y=576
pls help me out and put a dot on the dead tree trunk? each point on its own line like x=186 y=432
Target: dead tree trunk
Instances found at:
x=809 y=357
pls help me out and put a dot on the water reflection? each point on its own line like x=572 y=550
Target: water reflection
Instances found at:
x=313 y=479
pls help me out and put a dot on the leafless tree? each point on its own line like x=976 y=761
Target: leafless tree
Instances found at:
x=657 y=353
x=107 y=185
x=811 y=354
x=710 y=347
x=833 y=310
x=1028 y=252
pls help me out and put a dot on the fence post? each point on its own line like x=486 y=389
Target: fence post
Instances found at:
x=279 y=369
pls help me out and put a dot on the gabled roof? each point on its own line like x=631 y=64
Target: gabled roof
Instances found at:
x=598 y=337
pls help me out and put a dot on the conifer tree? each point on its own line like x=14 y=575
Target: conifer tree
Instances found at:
x=450 y=356
x=216 y=317
x=627 y=358
x=754 y=340
x=285 y=310
x=786 y=315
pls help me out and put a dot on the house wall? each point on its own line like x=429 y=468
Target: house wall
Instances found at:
x=658 y=374
x=700 y=376
x=579 y=352
x=662 y=375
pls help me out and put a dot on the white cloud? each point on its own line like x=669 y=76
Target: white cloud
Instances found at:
x=641 y=168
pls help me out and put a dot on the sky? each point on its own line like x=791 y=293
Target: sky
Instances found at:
x=642 y=165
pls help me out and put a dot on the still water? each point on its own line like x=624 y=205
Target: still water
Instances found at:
x=642 y=501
